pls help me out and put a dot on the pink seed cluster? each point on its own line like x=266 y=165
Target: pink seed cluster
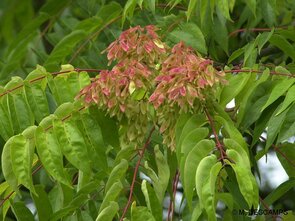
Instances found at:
x=150 y=74
x=183 y=78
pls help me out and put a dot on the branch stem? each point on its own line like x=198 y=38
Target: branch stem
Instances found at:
x=172 y=199
x=257 y=71
x=141 y=154
x=218 y=144
x=53 y=73
x=255 y=30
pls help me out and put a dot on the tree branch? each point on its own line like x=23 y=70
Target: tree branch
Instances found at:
x=274 y=216
x=12 y=192
x=42 y=77
x=277 y=149
x=255 y=30
x=141 y=154
x=292 y=75
x=218 y=144
x=40 y=166
x=172 y=199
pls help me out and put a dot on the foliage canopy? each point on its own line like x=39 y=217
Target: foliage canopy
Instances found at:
x=113 y=138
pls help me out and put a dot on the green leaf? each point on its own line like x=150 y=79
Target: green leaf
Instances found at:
x=84 y=181
x=151 y=200
x=93 y=137
x=260 y=124
x=110 y=12
x=160 y=181
x=268 y=11
x=84 y=216
x=226 y=198
x=208 y=191
x=63 y=48
x=53 y=7
x=30 y=28
x=108 y=127
x=108 y=213
x=252 y=6
x=255 y=102
x=65 y=87
x=273 y=126
x=190 y=34
x=88 y=187
x=237 y=53
x=140 y=213
x=243 y=176
x=232 y=144
x=220 y=33
x=117 y=174
x=151 y=5
x=22 y=151
x=191 y=7
x=248 y=86
x=249 y=49
x=42 y=203
x=125 y=153
x=3 y=187
x=190 y=124
x=198 y=152
x=234 y=87
x=77 y=202
x=289 y=216
x=223 y=6
x=279 y=89
x=163 y=173
x=281 y=42
x=288 y=127
x=111 y=195
x=231 y=130
x=21 y=212
x=89 y=25
x=197 y=212
x=289 y=99
x=262 y=39
x=13 y=60
x=18 y=106
x=6 y=164
x=65 y=111
x=35 y=93
x=72 y=143
x=6 y=205
x=286 y=155
x=128 y=10
x=277 y=193
x=182 y=120
x=203 y=174
x=49 y=151
x=58 y=196
x=6 y=128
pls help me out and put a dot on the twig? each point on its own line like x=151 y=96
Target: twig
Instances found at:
x=42 y=77
x=218 y=144
x=277 y=149
x=7 y=198
x=268 y=208
x=255 y=30
x=259 y=72
x=40 y=166
x=91 y=37
x=172 y=199
x=178 y=6
x=108 y=24
x=141 y=153
x=12 y=192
